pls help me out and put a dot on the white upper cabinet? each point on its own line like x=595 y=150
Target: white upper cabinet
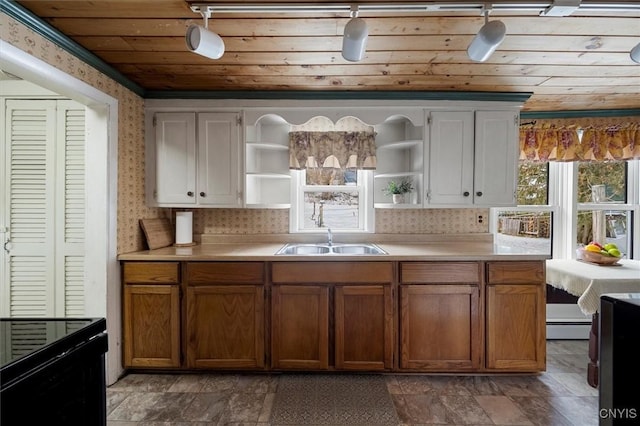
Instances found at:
x=198 y=160
x=459 y=154
x=175 y=158
x=219 y=172
x=496 y=158
x=450 y=158
x=472 y=158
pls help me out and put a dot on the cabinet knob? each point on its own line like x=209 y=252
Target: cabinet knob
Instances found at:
x=190 y=193
x=479 y=193
x=202 y=194
x=465 y=193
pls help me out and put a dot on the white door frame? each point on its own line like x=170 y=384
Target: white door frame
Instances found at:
x=102 y=286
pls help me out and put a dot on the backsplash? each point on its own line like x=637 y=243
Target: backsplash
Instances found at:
x=388 y=221
x=431 y=221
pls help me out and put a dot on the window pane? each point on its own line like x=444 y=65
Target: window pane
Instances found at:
x=524 y=232
x=335 y=210
x=328 y=176
x=606 y=178
x=615 y=223
x=533 y=185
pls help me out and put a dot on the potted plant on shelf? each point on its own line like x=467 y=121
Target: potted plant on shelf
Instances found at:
x=398 y=189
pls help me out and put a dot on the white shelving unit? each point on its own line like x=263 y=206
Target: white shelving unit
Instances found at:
x=400 y=156
x=267 y=176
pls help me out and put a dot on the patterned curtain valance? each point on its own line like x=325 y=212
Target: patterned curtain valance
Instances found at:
x=332 y=149
x=598 y=143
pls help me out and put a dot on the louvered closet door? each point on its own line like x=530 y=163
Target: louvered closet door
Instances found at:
x=70 y=208
x=44 y=149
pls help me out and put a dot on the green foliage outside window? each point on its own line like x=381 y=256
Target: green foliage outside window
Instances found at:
x=612 y=174
x=532 y=184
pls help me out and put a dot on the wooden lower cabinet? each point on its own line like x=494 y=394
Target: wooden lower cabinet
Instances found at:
x=225 y=315
x=440 y=316
x=151 y=315
x=440 y=327
x=225 y=326
x=363 y=327
x=453 y=316
x=332 y=314
x=516 y=318
x=300 y=327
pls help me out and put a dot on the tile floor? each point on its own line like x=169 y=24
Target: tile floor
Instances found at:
x=560 y=396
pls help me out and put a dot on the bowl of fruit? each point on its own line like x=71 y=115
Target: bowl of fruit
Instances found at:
x=607 y=254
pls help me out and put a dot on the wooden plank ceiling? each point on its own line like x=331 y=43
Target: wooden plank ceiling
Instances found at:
x=569 y=63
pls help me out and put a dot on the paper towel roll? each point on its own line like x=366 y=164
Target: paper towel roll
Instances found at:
x=184 y=227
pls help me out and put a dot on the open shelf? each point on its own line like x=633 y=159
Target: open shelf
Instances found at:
x=267 y=179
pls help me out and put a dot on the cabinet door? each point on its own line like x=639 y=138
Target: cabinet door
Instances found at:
x=363 y=327
x=496 y=159
x=516 y=327
x=440 y=327
x=300 y=327
x=225 y=326
x=151 y=318
x=450 y=177
x=175 y=158
x=219 y=171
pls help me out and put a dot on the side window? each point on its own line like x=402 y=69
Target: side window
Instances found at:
x=603 y=214
x=527 y=227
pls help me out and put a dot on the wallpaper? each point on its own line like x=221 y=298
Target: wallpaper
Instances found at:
x=131 y=205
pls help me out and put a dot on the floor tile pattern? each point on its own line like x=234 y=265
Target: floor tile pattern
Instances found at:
x=560 y=396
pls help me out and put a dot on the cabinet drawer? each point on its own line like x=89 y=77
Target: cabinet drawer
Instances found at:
x=439 y=272
x=515 y=272
x=225 y=273
x=332 y=272
x=151 y=272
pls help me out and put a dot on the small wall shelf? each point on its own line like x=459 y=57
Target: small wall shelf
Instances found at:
x=267 y=177
x=400 y=155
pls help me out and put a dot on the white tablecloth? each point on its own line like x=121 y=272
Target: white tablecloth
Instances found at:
x=588 y=281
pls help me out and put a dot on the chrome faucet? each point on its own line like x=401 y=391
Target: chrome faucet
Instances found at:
x=329 y=237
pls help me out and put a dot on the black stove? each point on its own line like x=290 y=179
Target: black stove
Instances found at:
x=52 y=371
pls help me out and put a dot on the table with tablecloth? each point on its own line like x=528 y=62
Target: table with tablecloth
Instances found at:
x=588 y=282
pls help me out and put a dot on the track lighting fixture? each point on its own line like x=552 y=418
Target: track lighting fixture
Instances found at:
x=354 y=41
x=635 y=54
x=202 y=41
x=487 y=40
x=207 y=43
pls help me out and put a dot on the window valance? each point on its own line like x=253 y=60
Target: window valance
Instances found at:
x=332 y=149
x=563 y=143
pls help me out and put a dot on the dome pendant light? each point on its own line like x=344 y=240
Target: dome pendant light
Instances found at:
x=354 y=41
x=487 y=40
x=204 y=42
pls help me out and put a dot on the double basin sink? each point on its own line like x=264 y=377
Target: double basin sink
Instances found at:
x=329 y=249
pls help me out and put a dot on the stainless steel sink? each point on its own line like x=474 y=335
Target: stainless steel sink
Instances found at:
x=326 y=249
x=304 y=249
x=357 y=249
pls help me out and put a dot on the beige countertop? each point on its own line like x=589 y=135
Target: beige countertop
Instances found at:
x=441 y=248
